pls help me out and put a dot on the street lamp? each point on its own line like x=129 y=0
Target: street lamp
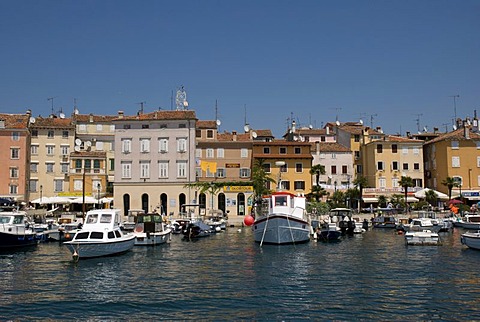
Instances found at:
x=98 y=195
x=41 y=195
x=335 y=184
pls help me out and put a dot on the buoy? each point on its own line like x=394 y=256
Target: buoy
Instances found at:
x=75 y=256
x=248 y=220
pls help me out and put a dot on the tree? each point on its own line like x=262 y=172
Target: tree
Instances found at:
x=382 y=201
x=317 y=170
x=318 y=192
x=360 y=182
x=405 y=183
x=260 y=178
x=450 y=182
x=431 y=197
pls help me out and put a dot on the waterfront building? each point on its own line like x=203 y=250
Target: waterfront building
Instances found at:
x=455 y=154
x=154 y=161
x=52 y=140
x=15 y=156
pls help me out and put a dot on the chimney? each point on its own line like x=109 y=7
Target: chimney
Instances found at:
x=466 y=132
x=90 y=118
x=317 y=147
x=293 y=126
x=120 y=114
x=29 y=112
x=234 y=133
x=327 y=130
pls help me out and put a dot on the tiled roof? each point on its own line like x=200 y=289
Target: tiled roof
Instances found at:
x=202 y=124
x=159 y=115
x=95 y=154
x=331 y=147
x=457 y=135
x=401 y=139
x=227 y=137
x=281 y=142
x=264 y=133
x=85 y=118
x=52 y=122
x=15 y=121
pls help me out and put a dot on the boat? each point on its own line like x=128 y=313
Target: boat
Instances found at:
x=178 y=225
x=150 y=230
x=421 y=224
x=217 y=223
x=385 y=222
x=130 y=223
x=469 y=221
x=15 y=231
x=471 y=239
x=281 y=218
x=196 y=229
x=100 y=235
x=422 y=238
x=329 y=232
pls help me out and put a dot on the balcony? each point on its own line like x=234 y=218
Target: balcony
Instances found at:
x=87 y=171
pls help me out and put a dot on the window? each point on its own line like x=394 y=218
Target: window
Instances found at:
x=382 y=182
x=209 y=174
x=99 y=146
x=163 y=145
x=267 y=167
x=34 y=167
x=198 y=133
x=65 y=134
x=322 y=138
x=65 y=150
x=266 y=150
x=144 y=169
x=478 y=162
x=478 y=144
x=244 y=172
x=455 y=145
x=380 y=165
x=405 y=150
x=82 y=128
x=34 y=149
x=78 y=164
x=126 y=145
x=244 y=153
x=220 y=153
x=285 y=184
x=297 y=150
x=457 y=180
x=64 y=167
x=14 y=153
x=333 y=169
x=416 y=151
x=15 y=136
x=198 y=172
x=144 y=145
x=298 y=167
x=181 y=145
x=299 y=185
x=112 y=164
x=334 y=155
x=344 y=169
x=394 y=148
x=359 y=168
x=417 y=183
x=58 y=185
x=88 y=164
x=33 y=184
x=394 y=165
x=13 y=189
x=50 y=134
x=50 y=149
x=145 y=126
x=221 y=172
x=126 y=126
x=405 y=166
x=284 y=168
x=181 y=169
x=49 y=167
x=209 y=153
x=455 y=162
x=395 y=183
x=356 y=138
x=209 y=134
x=13 y=172
x=34 y=133
x=78 y=185
x=163 y=169
x=182 y=126
x=357 y=155
x=283 y=150
x=416 y=166
x=126 y=170
x=379 y=148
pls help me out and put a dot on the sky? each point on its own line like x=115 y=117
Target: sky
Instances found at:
x=401 y=65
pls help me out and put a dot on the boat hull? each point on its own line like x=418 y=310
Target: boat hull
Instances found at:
x=329 y=235
x=281 y=229
x=152 y=239
x=12 y=240
x=89 y=249
x=422 y=238
x=472 y=240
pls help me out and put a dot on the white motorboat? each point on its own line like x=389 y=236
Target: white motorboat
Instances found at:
x=100 y=235
x=129 y=224
x=469 y=221
x=421 y=224
x=150 y=230
x=385 y=222
x=15 y=231
x=281 y=218
x=471 y=239
x=422 y=238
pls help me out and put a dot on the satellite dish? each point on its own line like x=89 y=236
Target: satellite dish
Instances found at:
x=338 y=123
x=218 y=122
x=302 y=139
x=246 y=128
x=310 y=126
x=425 y=129
x=78 y=142
x=88 y=144
x=62 y=116
x=454 y=127
x=76 y=111
x=185 y=104
x=254 y=134
x=361 y=121
x=32 y=119
x=77 y=148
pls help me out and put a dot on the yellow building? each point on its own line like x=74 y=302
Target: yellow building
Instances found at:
x=457 y=155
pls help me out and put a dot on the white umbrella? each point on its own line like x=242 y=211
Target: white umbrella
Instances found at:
x=106 y=200
x=88 y=199
x=42 y=201
x=421 y=194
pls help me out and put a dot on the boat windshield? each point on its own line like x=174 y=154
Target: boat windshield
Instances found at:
x=281 y=201
x=92 y=218
x=106 y=218
x=4 y=219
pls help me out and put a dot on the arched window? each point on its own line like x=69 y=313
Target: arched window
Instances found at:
x=221 y=202
x=182 y=199
x=202 y=201
x=164 y=204
x=126 y=204
x=145 y=202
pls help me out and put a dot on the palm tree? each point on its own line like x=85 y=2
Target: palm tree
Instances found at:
x=260 y=178
x=317 y=170
x=431 y=197
x=450 y=182
x=382 y=201
x=360 y=182
x=318 y=192
x=405 y=183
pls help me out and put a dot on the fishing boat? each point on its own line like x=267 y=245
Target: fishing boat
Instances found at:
x=100 y=235
x=281 y=218
x=15 y=231
x=150 y=230
x=422 y=238
x=471 y=239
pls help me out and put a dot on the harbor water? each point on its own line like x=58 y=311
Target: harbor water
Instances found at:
x=373 y=276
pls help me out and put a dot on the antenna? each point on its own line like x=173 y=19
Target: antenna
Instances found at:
x=245 y=113
x=371 y=119
x=141 y=107
x=51 y=99
x=418 y=121
x=75 y=109
x=455 y=105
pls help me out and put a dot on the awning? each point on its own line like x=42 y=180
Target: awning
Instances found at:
x=472 y=197
x=370 y=199
x=412 y=199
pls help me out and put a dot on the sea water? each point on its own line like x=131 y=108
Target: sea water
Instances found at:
x=227 y=276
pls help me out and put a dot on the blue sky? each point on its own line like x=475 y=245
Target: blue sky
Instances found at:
x=389 y=63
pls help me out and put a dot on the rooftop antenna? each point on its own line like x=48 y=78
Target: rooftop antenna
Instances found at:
x=171 y=101
x=245 y=114
x=141 y=107
x=181 y=99
x=446 y=127
x=418 y=121
x=75 y=108
x=371 y=119
x=217 y=120
x=455 y=105
x=51 y=99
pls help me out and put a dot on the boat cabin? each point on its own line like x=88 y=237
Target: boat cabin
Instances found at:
x=98 y=222
x=282 y=202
